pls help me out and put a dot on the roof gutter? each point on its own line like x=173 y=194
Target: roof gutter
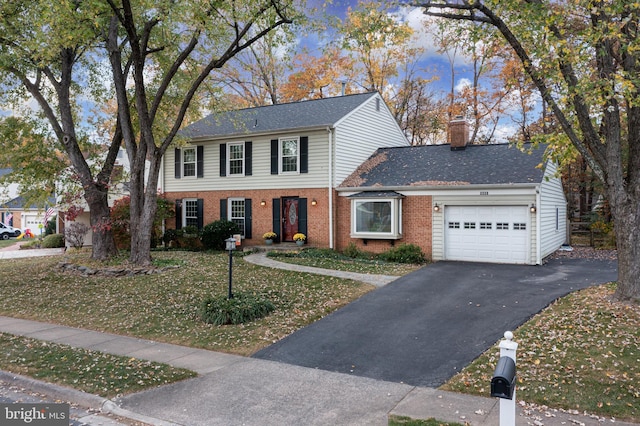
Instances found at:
x=437 y=187
x=252 y=134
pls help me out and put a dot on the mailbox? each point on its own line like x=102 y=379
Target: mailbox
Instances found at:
x=503 y=382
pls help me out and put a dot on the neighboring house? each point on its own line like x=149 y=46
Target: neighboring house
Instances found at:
x=19 y=214
x=276 y=168
x=485 y=203
x=119 y=188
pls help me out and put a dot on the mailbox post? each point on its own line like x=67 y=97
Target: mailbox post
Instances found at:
x=503 y=382
x=231 y=246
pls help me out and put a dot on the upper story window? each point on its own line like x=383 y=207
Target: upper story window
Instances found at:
x=189 y=161
x=376 y=218
x=289 y=155
x=235 y=160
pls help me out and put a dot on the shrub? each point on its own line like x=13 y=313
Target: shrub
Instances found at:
x=214 y=234
x=53 y=241
x=240 y=309
x=170 y=235
x=352 y=251
x=75 y=233
x=51 y=227
x=121 y=217
x=404 y=253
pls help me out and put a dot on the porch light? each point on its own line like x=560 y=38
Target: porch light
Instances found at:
x=436 y=208
x=532 y=209
x=263 y=203
x=314 y=202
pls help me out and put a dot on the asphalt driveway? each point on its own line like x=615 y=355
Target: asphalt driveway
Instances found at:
x=426 y=326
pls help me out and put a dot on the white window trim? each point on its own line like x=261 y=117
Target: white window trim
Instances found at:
x=396 y=220
x=228 y=159
x=184 y=210
x=230 y=217
x=280 y=162
x=195 y=162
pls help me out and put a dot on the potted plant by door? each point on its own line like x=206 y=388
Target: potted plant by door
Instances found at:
x=299 y=238
x=269 y=237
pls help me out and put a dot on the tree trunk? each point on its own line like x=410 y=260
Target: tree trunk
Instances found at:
x=143 y=211
x=627 y=220
x=103 y=243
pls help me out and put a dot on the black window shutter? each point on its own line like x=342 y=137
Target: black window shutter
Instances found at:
x=274 y=157
x=223 y=159
x=304 y=154
x=276 y=218
x=247 y=218
x=223 y=209
x=200 y=213
x=178 y=214
x=248 y=159
x=302 y=216
x=200 y=161
x=178 y=164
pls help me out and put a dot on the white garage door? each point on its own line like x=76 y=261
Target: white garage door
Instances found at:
x=498 y=234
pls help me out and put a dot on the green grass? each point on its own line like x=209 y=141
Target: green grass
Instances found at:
x=164 y=307
x=407 y=421
x=581 y=353
x=330 y=259
x=7 y=243
x=93 y=372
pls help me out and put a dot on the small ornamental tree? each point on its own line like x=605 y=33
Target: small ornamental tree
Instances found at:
x=121 y=216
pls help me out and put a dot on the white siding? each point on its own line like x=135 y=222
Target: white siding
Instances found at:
x=553 y=212
x=261 y=177
x=359 y=134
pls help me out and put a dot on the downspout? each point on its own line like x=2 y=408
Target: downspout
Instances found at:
x=538 y=230
x=331 y=132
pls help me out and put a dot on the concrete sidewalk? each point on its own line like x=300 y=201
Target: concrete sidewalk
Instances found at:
x=234 y=390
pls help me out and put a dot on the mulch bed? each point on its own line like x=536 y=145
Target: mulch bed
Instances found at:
x=585 y=252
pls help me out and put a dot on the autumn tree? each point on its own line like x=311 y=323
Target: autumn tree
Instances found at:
x=316 y=77
x=584 y=58
x=44 y=57
x=376 y=42
x=160 y=54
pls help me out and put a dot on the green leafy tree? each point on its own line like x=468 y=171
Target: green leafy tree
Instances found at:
x=152 y=56
x=44 y=58
x=584 y=58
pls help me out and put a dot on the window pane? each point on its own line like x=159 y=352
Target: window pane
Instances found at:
x=289 y=155
x=189 y=162
x=190 y=213
x=236 y=213
x=373 y=216
x=290 y=148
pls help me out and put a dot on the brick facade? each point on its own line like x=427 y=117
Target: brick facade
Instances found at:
x=416 y=226
x=262 y=219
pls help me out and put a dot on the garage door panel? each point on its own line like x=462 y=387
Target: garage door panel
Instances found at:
x=487 y=233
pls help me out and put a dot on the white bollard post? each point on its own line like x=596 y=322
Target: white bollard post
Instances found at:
x=508 y=348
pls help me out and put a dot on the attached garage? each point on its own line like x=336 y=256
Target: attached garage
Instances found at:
x=499 y=234
x=473 y=203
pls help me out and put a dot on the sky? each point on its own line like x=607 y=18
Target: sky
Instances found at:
x=436 y=62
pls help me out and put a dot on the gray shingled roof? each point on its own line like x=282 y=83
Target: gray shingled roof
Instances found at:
x=272 y=118
x=433 y=165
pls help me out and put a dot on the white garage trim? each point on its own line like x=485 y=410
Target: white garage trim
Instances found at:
x=497 y=234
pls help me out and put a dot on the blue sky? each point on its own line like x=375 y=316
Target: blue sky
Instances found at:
x=435 y=62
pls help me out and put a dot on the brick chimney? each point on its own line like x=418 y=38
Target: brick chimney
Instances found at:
x=459 y=133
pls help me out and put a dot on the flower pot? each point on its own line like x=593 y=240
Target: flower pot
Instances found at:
x=268 y=242
x=300 y=243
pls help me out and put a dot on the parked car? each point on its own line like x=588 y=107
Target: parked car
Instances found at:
x=7 y=231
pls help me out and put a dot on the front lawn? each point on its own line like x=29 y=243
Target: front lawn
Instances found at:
x=581 y=353
x=164 y=306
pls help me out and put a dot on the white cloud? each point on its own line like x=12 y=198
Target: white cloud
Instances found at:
x=462 y=84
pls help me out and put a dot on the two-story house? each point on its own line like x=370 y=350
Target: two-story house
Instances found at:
x=276 y=168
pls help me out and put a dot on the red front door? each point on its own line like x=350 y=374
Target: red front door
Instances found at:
x=290 y=216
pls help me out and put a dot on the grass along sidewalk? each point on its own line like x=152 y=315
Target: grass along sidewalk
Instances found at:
x=89 y=371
